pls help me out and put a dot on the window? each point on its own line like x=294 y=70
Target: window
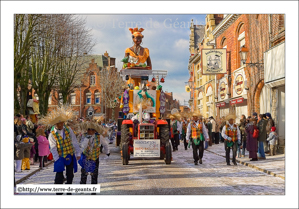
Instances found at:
x=97 y=97
x=50 y=99
x=60 y=99
x=92 y=79
x=209 y=94
x=73 y=98
x=88 y=98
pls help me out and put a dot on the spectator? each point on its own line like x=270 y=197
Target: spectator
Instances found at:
x=270 y=123
x=222 y=124
x=272 y=141
x=25 y=161
x=262 y=138
x=254 y=115
x=214 y=132
x=43 y=147
x=252 y=143
x=210 y=126
x=19 y=152
x=243 y=136
x=32 y=151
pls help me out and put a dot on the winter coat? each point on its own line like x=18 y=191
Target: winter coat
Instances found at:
x=270 y=124
x=251 y=144
x=32 y=151
x=272 y=138
x=27 y=151
x=20 y=148
x=262 y=125
x=209 y=125
x=213 y=125
x=242 y=130
x=43 y=146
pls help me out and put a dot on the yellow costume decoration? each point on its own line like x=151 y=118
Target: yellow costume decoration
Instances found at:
x=140 y=58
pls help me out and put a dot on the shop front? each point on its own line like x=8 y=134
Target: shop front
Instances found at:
x=238 y=102
x=274 y=71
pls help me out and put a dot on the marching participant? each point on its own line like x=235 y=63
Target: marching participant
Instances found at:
x=232 y=137
x=199 y=134
x=63 y=144
x=90 y=143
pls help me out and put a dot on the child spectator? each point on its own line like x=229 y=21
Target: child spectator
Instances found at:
x=43 y=146
x=272 y=141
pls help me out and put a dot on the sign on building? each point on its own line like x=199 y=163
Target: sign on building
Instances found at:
x=213 y=61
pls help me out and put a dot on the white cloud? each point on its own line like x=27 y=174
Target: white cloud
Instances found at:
x=181 y=44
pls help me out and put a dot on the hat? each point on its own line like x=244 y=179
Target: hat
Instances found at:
x=57 y=115
x=268 y=115
x=196 y=114
x=159 y=87
x=273 y=128
x=84 y=126
x=31 y=140
x=99 y=118
x=136 y=32
x=228 y=117
x=254 y=114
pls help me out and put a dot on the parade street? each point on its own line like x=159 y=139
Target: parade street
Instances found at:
x=181 y=177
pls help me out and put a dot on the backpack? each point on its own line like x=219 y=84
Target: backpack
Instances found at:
x=255 y=133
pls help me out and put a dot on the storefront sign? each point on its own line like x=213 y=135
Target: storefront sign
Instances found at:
x=236 y=101
x=239 y=84
x=147 y=148
x=222 y=90
x=221 y=104
x=213 y=61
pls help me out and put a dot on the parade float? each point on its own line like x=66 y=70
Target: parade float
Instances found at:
x=143 y=134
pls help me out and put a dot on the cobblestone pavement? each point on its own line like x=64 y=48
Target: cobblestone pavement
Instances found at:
x=182 y=177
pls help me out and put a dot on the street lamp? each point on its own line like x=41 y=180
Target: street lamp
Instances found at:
x=243 y=55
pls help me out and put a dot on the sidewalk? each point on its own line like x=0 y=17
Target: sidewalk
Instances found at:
x=19 y=177
x=272 y=165
x=25 y=174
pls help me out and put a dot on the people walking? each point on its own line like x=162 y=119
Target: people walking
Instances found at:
x=25 y=160
x=90 y=145
x=63 y=143
x=232 y=136
x=262 y=138
x=222 y=124
x=19 y=152
x=215 y=130
x=272 y=139
x=199 y=134
x=252 y=143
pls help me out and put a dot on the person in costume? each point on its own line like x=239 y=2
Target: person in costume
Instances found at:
x=232 y=136
x=199 y=135
x=90 y=144
x=63 y=144
x=174 y=132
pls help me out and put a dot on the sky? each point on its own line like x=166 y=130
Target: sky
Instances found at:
x=166 y=37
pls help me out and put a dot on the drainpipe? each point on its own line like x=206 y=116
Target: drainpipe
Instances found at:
x=270 y=31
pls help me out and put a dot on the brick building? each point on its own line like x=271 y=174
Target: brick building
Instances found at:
x=86 y=97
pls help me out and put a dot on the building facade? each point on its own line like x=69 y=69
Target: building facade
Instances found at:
x=86 y=98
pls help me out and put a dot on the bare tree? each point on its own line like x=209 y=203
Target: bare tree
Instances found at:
x=111 y=84
x=24 y=37
x=78 y=42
